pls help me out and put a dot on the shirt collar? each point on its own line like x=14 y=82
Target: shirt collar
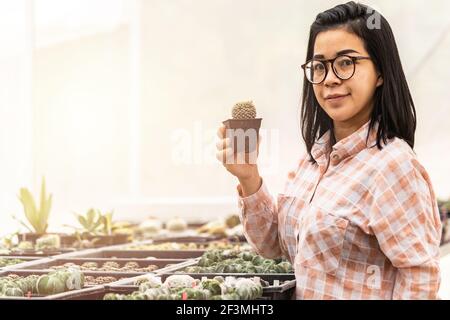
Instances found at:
x=346 y=147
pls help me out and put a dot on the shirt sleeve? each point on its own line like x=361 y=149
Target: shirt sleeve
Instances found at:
x=405 y=220
x=258 y=214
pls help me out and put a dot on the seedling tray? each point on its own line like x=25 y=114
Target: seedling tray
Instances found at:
x=136 y=254
x=281 y=286
x=25 y=273
x=39 y=254
x=201 y=245
x=160 y=263
x=274 y=292
x=23 y=258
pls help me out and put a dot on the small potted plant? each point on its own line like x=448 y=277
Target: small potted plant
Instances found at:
x=96 y=230
x=243 y=127
x=37 y=217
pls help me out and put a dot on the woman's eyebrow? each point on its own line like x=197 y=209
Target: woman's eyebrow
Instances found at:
x=321 y=56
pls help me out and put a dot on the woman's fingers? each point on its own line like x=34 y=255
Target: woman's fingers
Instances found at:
x=221 y=132
x=223 y=144
x=225 y=156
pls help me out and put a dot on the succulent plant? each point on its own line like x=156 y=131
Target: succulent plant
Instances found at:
x=232 y=221
x=13 y=292
x=48 y=242
x=37 y=217
x=111 y=296
x=176 y=224
x=215 y=228
x=193 y=294
x=213 y=285
x=248 y=289
x=60 y=281
x=244 y=110
x=16 y=286
x=48 y=284
x=183 y=287
x=25 y=245
x=51 y=283
x=150 y=227
x=179 y=281
x=95 y=223
x=4 y=262
x=232 y=261
x=148 y=282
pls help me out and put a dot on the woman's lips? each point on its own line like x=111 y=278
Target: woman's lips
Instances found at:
x=336 y=98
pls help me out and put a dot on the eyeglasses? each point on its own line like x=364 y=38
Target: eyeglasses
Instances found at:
x=316 y=70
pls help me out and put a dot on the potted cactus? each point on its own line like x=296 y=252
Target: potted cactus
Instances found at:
x=244 y=118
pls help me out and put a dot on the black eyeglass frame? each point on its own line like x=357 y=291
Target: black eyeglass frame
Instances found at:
x=331 y=61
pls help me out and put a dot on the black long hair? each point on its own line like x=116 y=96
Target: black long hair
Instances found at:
x=393 y=103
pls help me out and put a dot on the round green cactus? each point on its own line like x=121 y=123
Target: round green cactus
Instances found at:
x=244 y=110
x=111 y=296
x=50 y=284
x=12 y=292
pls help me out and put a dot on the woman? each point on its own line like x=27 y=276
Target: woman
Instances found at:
x=358 y=218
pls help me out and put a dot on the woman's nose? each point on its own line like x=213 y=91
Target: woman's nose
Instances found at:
x=331 y=79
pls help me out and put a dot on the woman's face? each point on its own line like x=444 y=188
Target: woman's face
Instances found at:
x=346 y=101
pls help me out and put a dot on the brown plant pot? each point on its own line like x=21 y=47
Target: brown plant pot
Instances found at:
x=243 y=136
x=32 y=237
x=109 y=240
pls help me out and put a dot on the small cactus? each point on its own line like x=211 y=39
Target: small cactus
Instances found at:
x=244 y=110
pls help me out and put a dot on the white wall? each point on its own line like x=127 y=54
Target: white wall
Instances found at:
x=198 y=58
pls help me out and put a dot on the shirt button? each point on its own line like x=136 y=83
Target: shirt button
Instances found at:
x=291 y=175
x=335 y=158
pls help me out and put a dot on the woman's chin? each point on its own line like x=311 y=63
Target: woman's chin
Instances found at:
x=339 y=115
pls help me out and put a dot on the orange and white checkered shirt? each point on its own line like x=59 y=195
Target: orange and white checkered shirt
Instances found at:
x=366 y=227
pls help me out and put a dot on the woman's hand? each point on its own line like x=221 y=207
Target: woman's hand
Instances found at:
x=246 y=171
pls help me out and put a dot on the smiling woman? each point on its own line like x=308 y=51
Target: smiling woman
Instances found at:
x=376 y=87
x=346 y=94
x=358 y=218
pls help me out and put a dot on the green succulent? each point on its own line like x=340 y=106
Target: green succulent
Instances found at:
x=48 y=285
x=111 y=296
x=4 y=262
x=60 y=281
x=95 y=223
x=12 y=291
x=212 y=285
x=229 y=261
x=257 y=260
x=192 y=294
x=179 y=288
x=247 y=256
x=36 y=217
x=248 y=289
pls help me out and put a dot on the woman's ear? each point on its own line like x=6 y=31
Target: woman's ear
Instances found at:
x=380 y=81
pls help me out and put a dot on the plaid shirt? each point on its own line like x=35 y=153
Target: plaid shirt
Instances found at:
x=361 y=223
